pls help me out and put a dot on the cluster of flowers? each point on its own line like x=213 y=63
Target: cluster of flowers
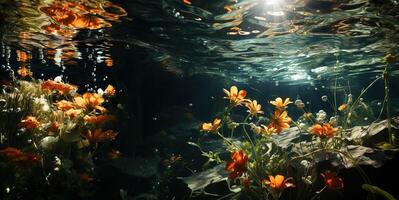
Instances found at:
x=55 y=119
x=243 y=163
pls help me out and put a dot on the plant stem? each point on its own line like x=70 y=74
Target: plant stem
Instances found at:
x=387 y=102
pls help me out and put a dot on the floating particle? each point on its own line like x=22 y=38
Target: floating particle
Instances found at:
x=379 y=104
x=324 y=98
x=190 y=104
x=276 y=83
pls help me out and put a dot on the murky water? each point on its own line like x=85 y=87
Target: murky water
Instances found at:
x=170 y=60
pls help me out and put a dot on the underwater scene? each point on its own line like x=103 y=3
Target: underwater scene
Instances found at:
x=199 y=99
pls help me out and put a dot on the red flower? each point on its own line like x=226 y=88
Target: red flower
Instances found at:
x=19 y=157
x=332 y=181
x=238 y=165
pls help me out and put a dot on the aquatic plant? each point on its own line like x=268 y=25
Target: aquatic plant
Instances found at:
x=267 y=150
x=52 y=133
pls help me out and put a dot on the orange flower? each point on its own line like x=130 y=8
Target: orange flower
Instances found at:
x=279 y=121
x=238 y=164
x=343 y=107
x=54 y=127
x=110 y=90
x=19 y=157
x=253 y=107
x=236 y=97
x=29 y=123
x=280 y=104
x=89 y=21
x=62 y=88
x=98 y=119
x=24 y=72
x=90 y=101
x=332 y=181
x=109 y=62
x=73 y=113
x=211 y=127
x=61 y=15
x=23 y=56
x=323 y=130
x=186 y=2
x=262 y=129
x=101 y=136
x=65 y=105
x=278 y=182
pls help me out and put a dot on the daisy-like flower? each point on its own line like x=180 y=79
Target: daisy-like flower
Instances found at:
x=280 y=121
x=62 y=88
x=236 y=97
x=238 y=164
x=280 y=104
x=279 y=182
x=90 y=101
x=263 y=129
x=211 y=127
x=253 y=107
x=326 y=130
x=110 y=90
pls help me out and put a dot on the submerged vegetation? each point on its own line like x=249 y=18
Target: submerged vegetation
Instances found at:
x=277 y=157
x=51 y=136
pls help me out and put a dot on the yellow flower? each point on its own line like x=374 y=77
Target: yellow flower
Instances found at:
x=211 y=127
x=279 y=104
x=343 y=107
x=110 y=90
x=253 y=107
x=280 y=121
x=236 y=97
x=264 y=130
x=90 y=101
